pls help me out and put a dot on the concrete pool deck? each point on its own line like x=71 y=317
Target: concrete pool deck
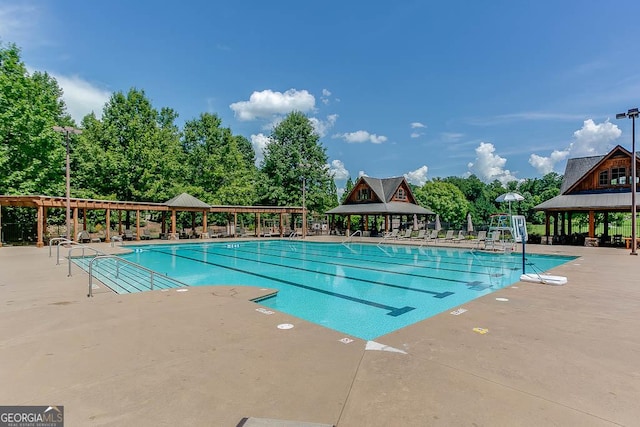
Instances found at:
x=553 y=355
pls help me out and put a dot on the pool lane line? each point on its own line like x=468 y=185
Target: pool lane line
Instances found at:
x=497 y=264
x=422 y=267
x=408 y=288
x=419 y=276
x=392 y=311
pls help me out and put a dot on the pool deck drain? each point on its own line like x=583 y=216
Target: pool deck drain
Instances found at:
x=555 y=355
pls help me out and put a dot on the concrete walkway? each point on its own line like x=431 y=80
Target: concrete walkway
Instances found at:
x=553 y=355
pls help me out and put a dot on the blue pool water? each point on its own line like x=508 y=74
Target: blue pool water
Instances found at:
x=360 y=289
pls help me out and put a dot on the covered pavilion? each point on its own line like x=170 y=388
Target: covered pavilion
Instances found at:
x=181 y=203
x=386 y=197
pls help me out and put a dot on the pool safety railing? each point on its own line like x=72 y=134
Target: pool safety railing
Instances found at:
x=355 y=233
x=83 y=247
x=127 y=276
x=60 y=241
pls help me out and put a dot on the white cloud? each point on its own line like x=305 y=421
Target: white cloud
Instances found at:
x=545 y=165
x=362 y=173
x=592 y=139
x=325 y=96
x=416 y=134
x=81 y=97
x=418 y=176
x=19 y=23
x=322 y=127
x=259 y=143
x=451 y=136
x=417 y=125
x=337 y=169
x=361 y=136
x=268 y=103
x=489 y=166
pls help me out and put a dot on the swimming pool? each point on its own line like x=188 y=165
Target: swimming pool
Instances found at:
x=362 y=290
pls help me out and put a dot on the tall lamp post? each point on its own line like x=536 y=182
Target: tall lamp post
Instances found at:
x=67 y=131
x=632 y=114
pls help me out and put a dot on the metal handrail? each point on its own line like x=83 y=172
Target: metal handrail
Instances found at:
x=83 y=247
x=59 y=240
x=66 y=242
x=118 y=259
x=351 y=236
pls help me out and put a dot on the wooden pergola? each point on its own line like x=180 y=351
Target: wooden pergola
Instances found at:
x=43 y=203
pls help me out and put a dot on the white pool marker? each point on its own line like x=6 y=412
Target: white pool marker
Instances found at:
x=285 y=326
x=372 y=345
x=182 y=290
x=264 y=310
x=346 y=340
x=502 y=299
x=459 y=311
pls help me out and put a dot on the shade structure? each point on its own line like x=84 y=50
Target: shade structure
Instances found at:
x=469 y=223
x=438 y=226
x=509 y=197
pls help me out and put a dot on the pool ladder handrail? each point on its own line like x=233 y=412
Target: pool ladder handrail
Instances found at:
x=133 y=264
x=59 y=241
x=352 y=235
x=83 y=247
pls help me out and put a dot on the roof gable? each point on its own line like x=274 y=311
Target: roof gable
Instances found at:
x=186 y=200
x=383 y=190
x=580 y=169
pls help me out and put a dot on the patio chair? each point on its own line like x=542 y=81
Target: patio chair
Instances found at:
x=420 y=235
x=405 y=235
x=481 y=238
x=492 y=239
x=459 y=238
x=128 y=235
x=83 y=237
x=146 y=235
x=448 y=236
x=391 y=235
x=432 y=236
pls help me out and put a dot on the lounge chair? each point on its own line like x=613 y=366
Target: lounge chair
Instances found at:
x=481 y=238
x=460 y=237
x=128 y=235
x=146 y=235
x=448 y=236
x=492 y=239
x=83 y=237
x=391 y=235
x=420 y=235
x=405 y=235
x=431 y=237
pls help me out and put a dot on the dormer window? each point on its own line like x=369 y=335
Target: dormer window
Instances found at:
x=401 y=194
x=618 y=176
x=364 y=194
x=603 y=178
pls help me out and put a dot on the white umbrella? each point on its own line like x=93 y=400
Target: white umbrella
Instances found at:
x=438 y=226
x=469 y=223
x=509 y=197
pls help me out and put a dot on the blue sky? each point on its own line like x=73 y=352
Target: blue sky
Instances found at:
x=503 y=89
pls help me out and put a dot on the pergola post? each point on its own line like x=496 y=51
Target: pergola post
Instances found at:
x=257 y=223
x=137 y=224
x=75 y=224
x=40 y=226
x=108 y=226
x=569 y=218
x=174 y=235
x=281 y=225
x=205 y=227
x=592 y=224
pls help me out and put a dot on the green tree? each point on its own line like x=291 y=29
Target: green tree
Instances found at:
x=31 y=153
x=219 y=163
x=347 y=189
x=445 y=199
x=133 y=153
x=293 y=157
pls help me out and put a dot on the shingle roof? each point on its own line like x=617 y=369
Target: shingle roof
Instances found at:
x=585 y=202
x=576 y=168
x=395 y=208
x=186 y=200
